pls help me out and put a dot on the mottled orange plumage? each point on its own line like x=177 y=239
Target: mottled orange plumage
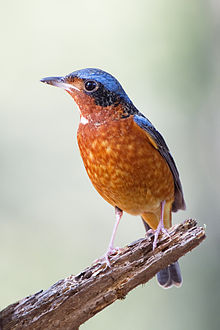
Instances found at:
x=125 y=168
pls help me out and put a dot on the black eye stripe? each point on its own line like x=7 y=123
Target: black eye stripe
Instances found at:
x=105 y=98
x=91 y=85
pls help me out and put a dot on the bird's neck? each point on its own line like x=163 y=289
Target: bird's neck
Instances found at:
x=97 y=115
x=91 y=112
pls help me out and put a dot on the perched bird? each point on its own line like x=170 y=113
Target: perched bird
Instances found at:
x=125 y=157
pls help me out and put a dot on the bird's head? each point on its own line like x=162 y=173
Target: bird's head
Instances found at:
x=97 y=93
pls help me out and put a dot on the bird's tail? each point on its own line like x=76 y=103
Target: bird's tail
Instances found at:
x=170 y=275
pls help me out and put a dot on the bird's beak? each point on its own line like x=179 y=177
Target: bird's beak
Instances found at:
x=59 y=82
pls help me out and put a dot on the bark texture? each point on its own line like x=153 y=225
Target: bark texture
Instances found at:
x=73 y=300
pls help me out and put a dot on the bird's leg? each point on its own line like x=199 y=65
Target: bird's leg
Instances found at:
x=160 y=227
x=118 y=215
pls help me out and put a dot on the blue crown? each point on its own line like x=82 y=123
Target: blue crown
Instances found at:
x=106 y=79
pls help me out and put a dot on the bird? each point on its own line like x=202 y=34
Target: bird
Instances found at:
x=125 y=157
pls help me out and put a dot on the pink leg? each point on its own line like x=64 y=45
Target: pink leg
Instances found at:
x=118 y=215
x=160 y=227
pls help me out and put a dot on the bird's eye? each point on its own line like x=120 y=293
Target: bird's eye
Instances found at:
x=91 y=86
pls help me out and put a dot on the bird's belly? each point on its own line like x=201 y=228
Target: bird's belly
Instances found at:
x=124 y=167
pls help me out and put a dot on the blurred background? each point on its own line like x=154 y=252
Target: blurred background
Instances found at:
x=166 y=55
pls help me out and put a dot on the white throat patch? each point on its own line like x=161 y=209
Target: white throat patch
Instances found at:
x=83 y=120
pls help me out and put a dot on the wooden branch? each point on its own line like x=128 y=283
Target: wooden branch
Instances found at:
x=75 y=299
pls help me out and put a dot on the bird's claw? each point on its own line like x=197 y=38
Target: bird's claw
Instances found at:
x=108 y=253
x=106 y=256
x=160 y=229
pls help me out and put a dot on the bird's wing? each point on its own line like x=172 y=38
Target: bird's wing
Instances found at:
x=158 y=142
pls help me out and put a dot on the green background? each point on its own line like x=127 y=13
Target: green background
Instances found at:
x=52 y=222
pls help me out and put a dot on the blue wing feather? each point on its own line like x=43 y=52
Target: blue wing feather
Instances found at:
x=163 y=149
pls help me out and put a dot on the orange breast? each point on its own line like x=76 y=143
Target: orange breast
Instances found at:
x=124 y=166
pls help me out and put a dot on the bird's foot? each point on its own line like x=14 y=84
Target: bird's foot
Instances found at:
x=110 y=251
x=160 y=230
x=160 y=227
